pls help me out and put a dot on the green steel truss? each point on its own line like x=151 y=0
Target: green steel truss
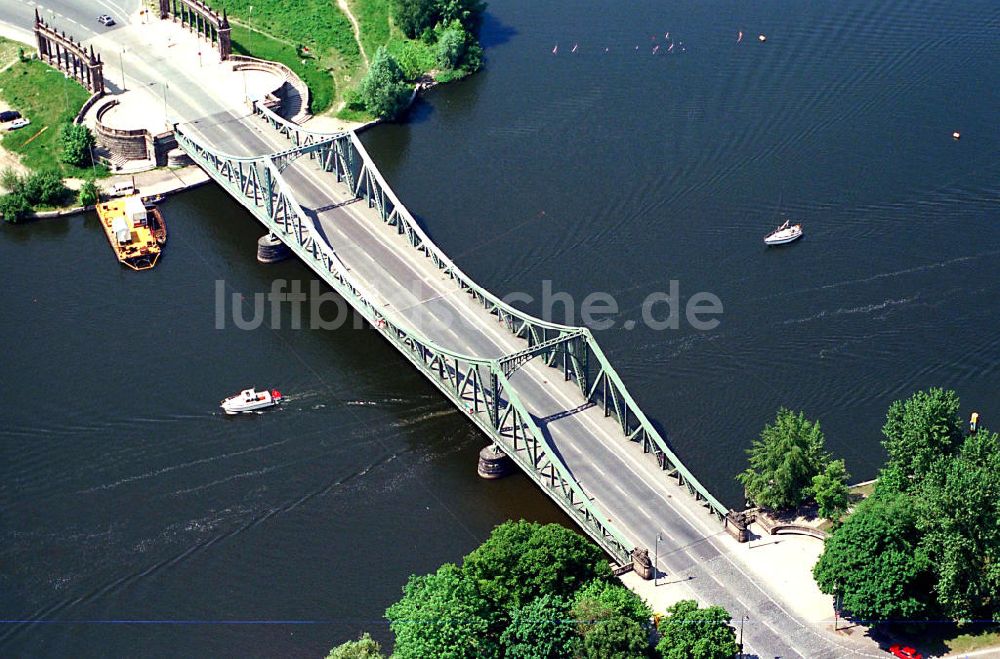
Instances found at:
x=480 y=387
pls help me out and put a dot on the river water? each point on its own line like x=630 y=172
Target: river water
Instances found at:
x=134 y=519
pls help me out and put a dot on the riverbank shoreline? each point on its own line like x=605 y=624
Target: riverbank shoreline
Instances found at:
x=164 y=182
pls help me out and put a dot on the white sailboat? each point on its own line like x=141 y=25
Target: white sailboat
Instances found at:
x=784 y=234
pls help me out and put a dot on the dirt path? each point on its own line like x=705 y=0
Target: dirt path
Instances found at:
x=342 y=4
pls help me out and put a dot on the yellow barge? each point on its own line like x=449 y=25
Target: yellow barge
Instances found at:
x=126 y=223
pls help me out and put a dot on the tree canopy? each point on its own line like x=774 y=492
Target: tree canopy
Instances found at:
x=440 y=615
x=927 y=542
x=541 y=629
x=529 y=590
x=523 y=560
x=364 y=648
x=784 y=460
x=874 y=563
x=829 y=489
x=918 y=432
x=77 y=141
x=688 y=632
x=383 y=91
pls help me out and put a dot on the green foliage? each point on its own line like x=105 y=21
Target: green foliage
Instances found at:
x=602 y=599
x=616 y=638
x=687 y=632
x=468 y=12
x=960 y=519
x=611 y=620
x=918 y=432
x=9 y=179
x=383 y=92
x=13 y=207
x=829 y=489
x=414 y=17
x=414 y=57
x=541 y=629
x=450 y=48
x=88 y=194
x=441 y=615
x=523 y=560
x=48 y=99
x=363 y=648
x=77 y=141
x=783 y=461
x=875 y=563
x=44 y=188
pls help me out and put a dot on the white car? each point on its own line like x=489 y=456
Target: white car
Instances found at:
x=105 y=20
x=18 y=123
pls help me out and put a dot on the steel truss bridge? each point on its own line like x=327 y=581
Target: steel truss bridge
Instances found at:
x=517 y=389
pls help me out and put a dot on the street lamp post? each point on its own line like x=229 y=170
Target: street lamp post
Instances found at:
x=250 y=31
x=166 y=86
x=656 y=560
x=742 y=620
x=121 y=61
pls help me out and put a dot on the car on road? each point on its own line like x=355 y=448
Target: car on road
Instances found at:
x=9 y=115
x=906 y=652
x=18 y=123
x=105 y=20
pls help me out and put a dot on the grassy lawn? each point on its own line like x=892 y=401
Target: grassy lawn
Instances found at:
x=43 y=95
x=8 y=51
x=316 y=24
x=975 y=640
x=373 y=17
x=322 y=88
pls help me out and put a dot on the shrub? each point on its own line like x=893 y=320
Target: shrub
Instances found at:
x=88 y=194
x=44 y=187
x=76 y=140
x=13 y=207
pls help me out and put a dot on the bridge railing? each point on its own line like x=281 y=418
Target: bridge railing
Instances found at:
x=479 y=387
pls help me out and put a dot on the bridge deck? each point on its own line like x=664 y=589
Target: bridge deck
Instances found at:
x=638 y=497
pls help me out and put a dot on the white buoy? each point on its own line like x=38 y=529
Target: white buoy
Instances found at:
x=762 y=38
x=956 y=135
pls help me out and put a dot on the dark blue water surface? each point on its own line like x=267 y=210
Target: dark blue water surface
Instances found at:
x=125 y=496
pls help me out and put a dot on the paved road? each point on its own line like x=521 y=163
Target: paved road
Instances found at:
x=77 y=18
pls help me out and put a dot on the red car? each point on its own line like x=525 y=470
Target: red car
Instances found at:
x=904 y=652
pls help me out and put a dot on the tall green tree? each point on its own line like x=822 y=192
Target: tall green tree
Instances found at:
x=875 y=564
x=688 y=632
x=959 y=514
x=784 y=460
x=441 y=615
x=382 y=91
x=414 y=17
x=918 y=432
x=523 y=560
x=829 y=489
x=77 y=140
x=364 y=648
x=541 y=629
